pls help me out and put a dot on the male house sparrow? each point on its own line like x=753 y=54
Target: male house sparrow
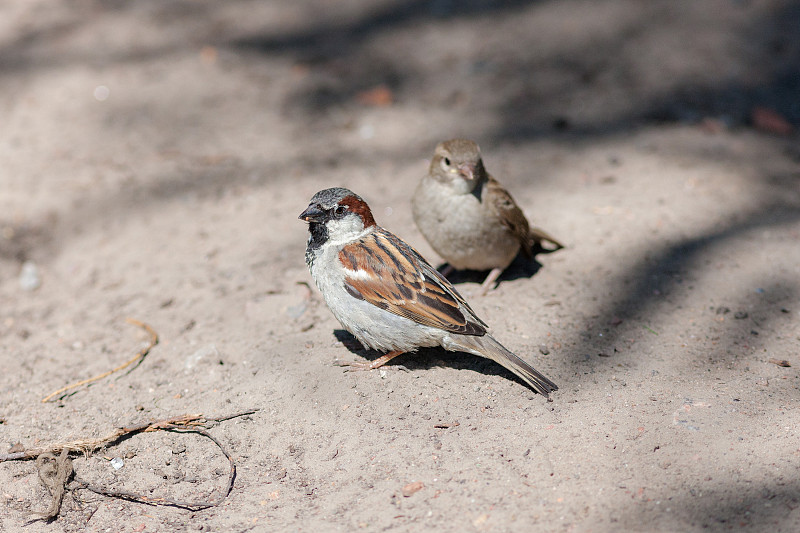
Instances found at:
x=384 y=293
x=468 y=217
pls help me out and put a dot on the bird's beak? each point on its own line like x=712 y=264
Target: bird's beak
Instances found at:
x=467 y=171
x=312 y=214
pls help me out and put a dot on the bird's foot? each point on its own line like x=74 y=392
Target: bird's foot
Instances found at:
x=489 y=283
x=446 y=270
x=369 y=365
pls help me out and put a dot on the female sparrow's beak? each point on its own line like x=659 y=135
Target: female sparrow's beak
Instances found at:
x=467 y=171
x=312 y=214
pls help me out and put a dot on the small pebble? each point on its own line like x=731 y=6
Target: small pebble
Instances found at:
x=544 y=350
x=29 y=277
x=296 y=311
x=205 y=352
x=117 y=463
x=366 y=132
x=412 y=488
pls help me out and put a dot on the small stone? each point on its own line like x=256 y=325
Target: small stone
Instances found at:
x=740 y=315
x=29 y=277
x=178 y=448
x=412 y=488
x=117 y=463
x=366 y=132
x=208 y=351
x=296 y=311
x=544 y=350
x=480 y=520
x=16 y=448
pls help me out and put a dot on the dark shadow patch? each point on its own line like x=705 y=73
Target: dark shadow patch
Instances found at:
x=427 y=358
x=520 y=268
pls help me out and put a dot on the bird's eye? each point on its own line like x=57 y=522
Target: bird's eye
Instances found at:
x=447 y=161
x=339 y=211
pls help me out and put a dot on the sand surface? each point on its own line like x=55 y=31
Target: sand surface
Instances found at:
x=155 y=156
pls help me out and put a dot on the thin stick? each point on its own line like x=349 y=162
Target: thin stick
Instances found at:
x=87 y=446
x=54 y=472
x=56 y=481
x=138 y=357
x=192 y=506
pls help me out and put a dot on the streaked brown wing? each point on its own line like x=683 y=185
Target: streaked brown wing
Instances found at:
x=513 y=218
x=510 y=214
x=384 y=271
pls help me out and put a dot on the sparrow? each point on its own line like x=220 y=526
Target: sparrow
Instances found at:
x=468 y=218
x=384 y=293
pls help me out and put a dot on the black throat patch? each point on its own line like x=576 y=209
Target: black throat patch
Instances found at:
x=319 y=236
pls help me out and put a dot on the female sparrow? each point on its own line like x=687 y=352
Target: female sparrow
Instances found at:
x=468 y=217
x=385 y=294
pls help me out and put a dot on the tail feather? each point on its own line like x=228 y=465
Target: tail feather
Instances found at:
x=537 y=236
x=487 y=346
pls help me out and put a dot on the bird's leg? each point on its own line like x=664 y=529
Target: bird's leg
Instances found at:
x=371 y=365
x=488 y=283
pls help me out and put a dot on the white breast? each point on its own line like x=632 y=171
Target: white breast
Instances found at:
x=461 y=229
x=374 y=327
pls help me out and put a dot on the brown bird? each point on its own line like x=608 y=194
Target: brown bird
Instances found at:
x=468 y=217
x=384 y=293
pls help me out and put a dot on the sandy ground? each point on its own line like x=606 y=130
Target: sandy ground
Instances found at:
x=156 y=156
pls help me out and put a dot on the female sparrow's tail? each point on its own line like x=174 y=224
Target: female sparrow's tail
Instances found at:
x=537 y=237
x=487 y=346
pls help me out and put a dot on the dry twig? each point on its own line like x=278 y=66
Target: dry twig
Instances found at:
x=139 y=356
x=779 y=362
x=193 y=506
x=57 y=478
x=54 y=473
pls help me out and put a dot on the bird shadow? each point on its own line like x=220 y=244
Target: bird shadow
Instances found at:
x=521 y=267
x=427 y=358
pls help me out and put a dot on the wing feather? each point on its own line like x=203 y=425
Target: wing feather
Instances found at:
x=386 y=272
x=510 y=214
x=514 y=219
